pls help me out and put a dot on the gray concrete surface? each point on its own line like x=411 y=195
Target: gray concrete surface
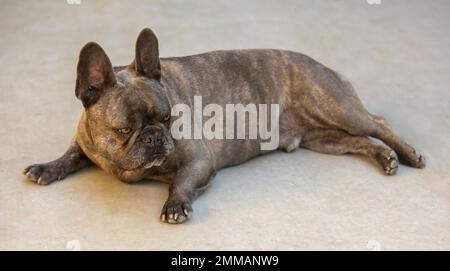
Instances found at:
x=397 y=55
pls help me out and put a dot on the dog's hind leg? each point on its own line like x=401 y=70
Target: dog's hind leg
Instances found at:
x=340 y=142
x=406 y=153
x=366 y=124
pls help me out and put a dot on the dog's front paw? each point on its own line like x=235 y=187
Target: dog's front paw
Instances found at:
x=45 y=173
x=176 y=211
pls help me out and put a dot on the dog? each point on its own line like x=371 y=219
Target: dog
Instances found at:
x=125 y=126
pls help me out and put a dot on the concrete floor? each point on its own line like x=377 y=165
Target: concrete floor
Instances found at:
x=397 y=54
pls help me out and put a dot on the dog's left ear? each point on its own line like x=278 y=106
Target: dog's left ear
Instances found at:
x=146 y=61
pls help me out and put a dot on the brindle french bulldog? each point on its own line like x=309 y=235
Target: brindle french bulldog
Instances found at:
x=125 y=125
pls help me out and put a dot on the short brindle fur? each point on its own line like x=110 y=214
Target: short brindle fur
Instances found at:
x=125 y=125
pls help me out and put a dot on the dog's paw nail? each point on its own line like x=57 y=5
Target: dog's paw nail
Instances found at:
x=186 y=212
x=422 y=162
x=392 y=154
x=176 y=211
x=394 y=163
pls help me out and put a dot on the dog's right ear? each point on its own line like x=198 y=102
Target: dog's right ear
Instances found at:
x=94 y=74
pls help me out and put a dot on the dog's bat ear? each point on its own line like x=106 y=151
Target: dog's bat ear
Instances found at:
x=94 y=74
x=146 y=61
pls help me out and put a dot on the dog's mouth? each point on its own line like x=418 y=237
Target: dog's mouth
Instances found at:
x=143 y=162
x=160 y=157
x=155 y=163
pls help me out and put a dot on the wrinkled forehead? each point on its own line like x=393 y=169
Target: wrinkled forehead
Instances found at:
x=130 y=97
x=118 y=107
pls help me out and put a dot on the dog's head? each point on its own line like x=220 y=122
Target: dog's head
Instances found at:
x=127 y=113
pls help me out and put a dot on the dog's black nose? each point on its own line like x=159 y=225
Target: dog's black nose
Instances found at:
x=152 y=136
x=148 y=139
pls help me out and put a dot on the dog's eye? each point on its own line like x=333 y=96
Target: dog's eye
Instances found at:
x=125 y=130
x=166 y=117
